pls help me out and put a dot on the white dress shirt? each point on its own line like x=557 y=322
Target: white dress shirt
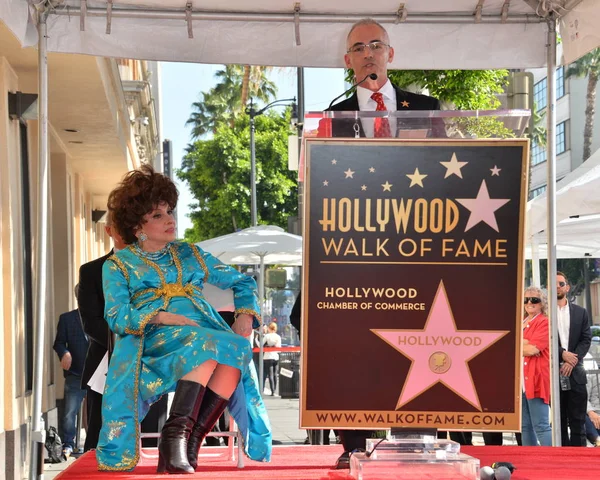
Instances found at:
x=367 y=104
x=564 y=324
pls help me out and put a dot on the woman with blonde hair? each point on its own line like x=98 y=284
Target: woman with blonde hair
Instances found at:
x=271 y=359
x=536 y=370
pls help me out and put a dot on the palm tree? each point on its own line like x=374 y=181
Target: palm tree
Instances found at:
x=223 y=102
x=588 y=66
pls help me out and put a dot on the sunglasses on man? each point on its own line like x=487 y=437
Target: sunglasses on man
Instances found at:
x=562 y=284
x=534 y=300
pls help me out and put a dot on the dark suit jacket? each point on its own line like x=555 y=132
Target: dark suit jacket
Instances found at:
x=415 y=101
x=580 y=339
x=91 y=308
x=345 y=128
x=70 y=338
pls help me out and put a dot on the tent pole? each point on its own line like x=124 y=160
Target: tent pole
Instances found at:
x=261 y=300
x=535 y=264
x=37 y=428
x=551 y=229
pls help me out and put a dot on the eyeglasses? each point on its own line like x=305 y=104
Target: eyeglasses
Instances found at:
x=533 y=300
x=375 y=47
x=561 y=284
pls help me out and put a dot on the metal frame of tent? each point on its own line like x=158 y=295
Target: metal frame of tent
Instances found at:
x=90 y=17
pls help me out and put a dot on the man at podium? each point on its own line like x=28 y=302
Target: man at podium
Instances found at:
x=368 y=53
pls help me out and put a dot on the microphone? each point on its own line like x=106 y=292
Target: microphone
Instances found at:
x=501 y=472
x=372 y=76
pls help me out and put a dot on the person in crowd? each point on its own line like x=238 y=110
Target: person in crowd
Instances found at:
x=536 y=371
x=592 y=420
x=368 y=51
x=271 y=339
x=575 y=338
x=71 y=344
x=91 y=309
x=168 y=338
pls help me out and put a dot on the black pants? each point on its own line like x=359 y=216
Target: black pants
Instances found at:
x=270 y=372
x=353 y=439
x=153 y=422
x=492 y=438
x=94 y=419
x=573 y=406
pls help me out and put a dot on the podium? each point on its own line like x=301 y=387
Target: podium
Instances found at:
x=413 y=278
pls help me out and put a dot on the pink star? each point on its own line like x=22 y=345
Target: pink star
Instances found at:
x=440 y=353
x=482 y=208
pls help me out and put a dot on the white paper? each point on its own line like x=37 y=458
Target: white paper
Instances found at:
x=98 y=379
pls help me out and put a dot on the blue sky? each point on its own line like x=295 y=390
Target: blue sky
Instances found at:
x=181 y=84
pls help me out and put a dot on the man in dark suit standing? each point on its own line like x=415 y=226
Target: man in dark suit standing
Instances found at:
x=368 y=51
x=71 y=345
x=575 y=338
x=91 y=308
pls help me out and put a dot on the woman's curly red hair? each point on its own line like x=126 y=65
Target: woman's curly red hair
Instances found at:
x=140 y=192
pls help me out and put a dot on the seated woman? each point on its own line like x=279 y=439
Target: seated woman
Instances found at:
x=170 y=339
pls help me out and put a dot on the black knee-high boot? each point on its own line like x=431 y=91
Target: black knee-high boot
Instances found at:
x=172 y=451
x=211 y=409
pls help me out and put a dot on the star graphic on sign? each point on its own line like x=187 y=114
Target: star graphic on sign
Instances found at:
x=440 y=353
x=495 y=171
x=482 y=208
x=372 y=170
x=363 y=187
x=387 y=186
x=453 y=167
x=416 y=178
x=349 y=173
x=325 y=183
x=404 y=103
x=334 y=162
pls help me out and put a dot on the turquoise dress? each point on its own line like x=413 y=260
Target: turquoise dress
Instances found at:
x=149 y=359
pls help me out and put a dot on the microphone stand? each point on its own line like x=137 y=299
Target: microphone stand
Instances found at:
x=372 y=76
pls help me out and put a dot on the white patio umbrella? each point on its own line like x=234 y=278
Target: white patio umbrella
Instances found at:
x=261 y=245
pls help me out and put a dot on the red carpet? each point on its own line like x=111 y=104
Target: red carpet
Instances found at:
x=315 y=463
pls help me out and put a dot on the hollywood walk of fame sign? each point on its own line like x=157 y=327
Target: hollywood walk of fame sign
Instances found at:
x=413 y=283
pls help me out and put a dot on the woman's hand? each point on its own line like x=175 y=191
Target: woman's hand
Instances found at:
x=168 y=318
x=243 y=325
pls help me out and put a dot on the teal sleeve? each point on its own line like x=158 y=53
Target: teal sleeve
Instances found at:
x=245 y=295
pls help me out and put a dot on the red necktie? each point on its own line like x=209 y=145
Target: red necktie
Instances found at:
x=382 y=125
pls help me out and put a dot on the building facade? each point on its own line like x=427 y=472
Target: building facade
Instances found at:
x=102 y=123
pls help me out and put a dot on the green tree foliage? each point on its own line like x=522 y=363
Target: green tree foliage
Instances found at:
x=217 y=171
x=573 y=268
x=223 y=103
x=460 y=89
x=463 y=89
x=588 y=66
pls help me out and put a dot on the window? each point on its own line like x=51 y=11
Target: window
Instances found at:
x=540 y=89
x=560 y=82
x=538 y=154
x=540 y=94
x=537 y=191
x=561 y=139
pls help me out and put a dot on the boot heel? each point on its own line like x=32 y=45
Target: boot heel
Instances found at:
x=162 y=465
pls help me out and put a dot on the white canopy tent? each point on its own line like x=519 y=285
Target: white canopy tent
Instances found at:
x=427 y=34
x=576 y=194
x=261 y=245
x=577 y=214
